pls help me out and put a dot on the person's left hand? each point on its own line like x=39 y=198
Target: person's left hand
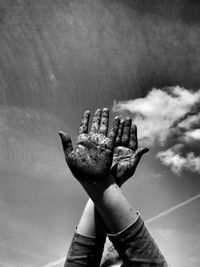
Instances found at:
x=126 y=153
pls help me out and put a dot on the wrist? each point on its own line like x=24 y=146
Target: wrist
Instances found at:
x=114 y=208
x=97 y=187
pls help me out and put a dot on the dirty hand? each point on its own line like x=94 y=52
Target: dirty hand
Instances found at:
x=91 y=158
x=126 y=153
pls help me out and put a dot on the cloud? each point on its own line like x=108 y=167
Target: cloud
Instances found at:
x=170 y=114
x=192 y=135
x=190 y=121
x=156 y=114
x=57 y=263
x=177 y=163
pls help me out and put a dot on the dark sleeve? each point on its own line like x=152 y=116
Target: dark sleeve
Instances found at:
x=136 y=246
x=85 y=251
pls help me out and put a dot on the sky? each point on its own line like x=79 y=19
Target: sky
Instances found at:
x=60 y=58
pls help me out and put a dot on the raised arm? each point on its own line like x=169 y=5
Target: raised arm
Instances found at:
x=90 y=162
x=126 y=153
x=92 y=156
x=125 y=160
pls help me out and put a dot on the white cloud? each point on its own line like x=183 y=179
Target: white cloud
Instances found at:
x=190 y=121
x=192 y=135
x=177 y=163
x=170 y=112
x=158 y=111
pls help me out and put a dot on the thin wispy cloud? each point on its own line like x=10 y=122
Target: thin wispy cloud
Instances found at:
x=57 y=263
x=168 y=114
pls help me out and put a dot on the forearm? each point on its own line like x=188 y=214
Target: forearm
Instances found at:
x=91 y=223
x=114 y=212
x=114 y=208
x=88 y=241
x=126 y=230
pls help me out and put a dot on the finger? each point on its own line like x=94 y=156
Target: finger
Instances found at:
x=84 y=122
x=113 y=133
x=119 y=134
x=66 y=142
x=96 y=121
x=137 y=156
x=126 y=132
x=133 y=142
x=104 y=122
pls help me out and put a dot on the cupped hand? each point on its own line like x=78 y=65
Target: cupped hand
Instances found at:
x=91 y=158
x=126 y=153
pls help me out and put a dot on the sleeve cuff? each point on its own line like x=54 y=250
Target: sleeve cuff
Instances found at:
x=88 y=240
x=130 y=230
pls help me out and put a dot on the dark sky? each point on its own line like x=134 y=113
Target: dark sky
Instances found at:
x=57 y=59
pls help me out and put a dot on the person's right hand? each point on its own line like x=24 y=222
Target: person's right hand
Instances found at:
x=126 y=153
x=91 y=158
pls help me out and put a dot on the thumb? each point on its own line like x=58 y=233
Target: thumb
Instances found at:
x=137 y=156
x=66 y=142
x=140 y=152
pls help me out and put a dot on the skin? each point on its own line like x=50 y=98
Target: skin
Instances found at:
x=125 y=160
x=92 y=155
x=91 y=158
x=90 y=162
x=126 y=154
